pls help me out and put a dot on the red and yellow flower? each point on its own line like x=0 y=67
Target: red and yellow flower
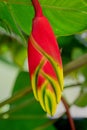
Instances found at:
x=45 y=65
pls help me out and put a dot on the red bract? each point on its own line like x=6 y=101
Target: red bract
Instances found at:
x=45 y=65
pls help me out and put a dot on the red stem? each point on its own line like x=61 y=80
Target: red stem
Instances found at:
x=68 y=114
x=37 y=8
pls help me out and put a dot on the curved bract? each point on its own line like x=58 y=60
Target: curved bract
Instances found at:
x=45 y=63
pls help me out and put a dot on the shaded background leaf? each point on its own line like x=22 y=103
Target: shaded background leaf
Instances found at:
x=63 y=124
x=82 y=100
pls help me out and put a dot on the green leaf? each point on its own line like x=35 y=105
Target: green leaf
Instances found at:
x=31 y=106
x=84 y=71
x=22 y=125
x=66 y=17
x=77 y=52
x=50 y=128
x=17 y=52
x=22 y=81
x=19 y=13
x=8 y=23
x=82 y=100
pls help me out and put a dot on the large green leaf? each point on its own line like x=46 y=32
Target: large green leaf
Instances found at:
x=22 y=81
x=66 y=17
x=23 y=15
x=23 y=125
x=32 y=107
x=8 y=24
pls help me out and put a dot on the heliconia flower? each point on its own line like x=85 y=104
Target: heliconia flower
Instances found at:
x=45 y=65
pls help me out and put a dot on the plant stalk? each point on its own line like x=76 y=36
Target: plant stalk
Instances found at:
x=68 y=114
x=76 y=64
x=72 y=85
x=37 y=8
x=16 y=96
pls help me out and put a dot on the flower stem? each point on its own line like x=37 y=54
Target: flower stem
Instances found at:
x=76 y=64
x=37 y=7
x=68 y=114
x=73 y=85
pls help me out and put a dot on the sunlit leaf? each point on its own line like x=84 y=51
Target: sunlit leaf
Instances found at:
x=8 y=23
x=66 y=17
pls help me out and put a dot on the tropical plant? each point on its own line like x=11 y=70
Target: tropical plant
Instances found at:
x=69 y=22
